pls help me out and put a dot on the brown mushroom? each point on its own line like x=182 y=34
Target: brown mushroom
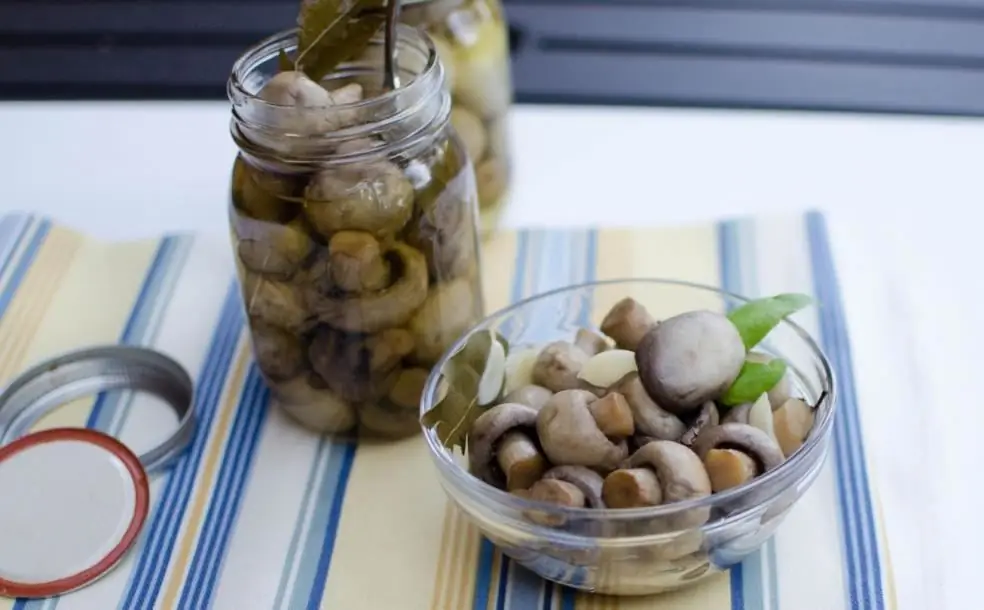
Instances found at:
x=751 y=441
x=783 y=390
x=551 y=491
x=650 y=418
x=708 y=416
x=530 y=395
x=570 y=436
x=369 y=312
x=356 y=262
x=627 y=322
x=677 y=470
x=522 y=461
x=690 y=359
x=590 y=342
x=585 y=479
x=276 y=303
x=557 y=366
x=376 y=198
x=358 y=367
x=263 y=194
x=793 y=421
x=275 y=250
x=306 y=399
x=280 y=355
x=397 y=414
x=449 y=310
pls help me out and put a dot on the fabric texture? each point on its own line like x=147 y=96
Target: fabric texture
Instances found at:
x=260 y=514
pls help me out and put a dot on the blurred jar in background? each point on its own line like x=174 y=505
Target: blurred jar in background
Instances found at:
x=473 y=41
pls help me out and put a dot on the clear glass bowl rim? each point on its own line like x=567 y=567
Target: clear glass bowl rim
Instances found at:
x=466 y=482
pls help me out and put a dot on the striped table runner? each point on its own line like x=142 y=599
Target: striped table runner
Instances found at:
x=260 y=514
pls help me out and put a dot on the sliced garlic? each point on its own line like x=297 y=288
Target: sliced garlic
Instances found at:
x=760 y=416
x=519 y=368
x=490 y=384
x=604 y=369
x=793 y=422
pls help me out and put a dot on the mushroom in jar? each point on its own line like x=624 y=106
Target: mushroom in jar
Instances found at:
x=530 y=395
x=661 y=472
x=276 y=303
x=307 y=399
x=558 y=365
x=651 y=419
x=372 y=311
x=279 y=354
x=735 y=453
x=471 y=131
x=356 y=262
x=627 y=322
x=502 y=450
x=358 y=367
x=263 y=195
x=571 y=436
x=272 y=249
x=298 y=106
x=397 y=414
x=375 y=197
x=449 y=309
x=689 y=359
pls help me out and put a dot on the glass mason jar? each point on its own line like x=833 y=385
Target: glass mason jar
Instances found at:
x=472 y=39
x=355 y=230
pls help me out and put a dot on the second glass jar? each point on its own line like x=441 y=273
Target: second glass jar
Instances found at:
x=472 y=39
x=354 y=224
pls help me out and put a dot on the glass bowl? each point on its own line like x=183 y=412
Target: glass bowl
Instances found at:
x=637 y=551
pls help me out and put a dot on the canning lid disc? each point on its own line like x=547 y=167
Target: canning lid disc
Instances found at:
x=73 y=502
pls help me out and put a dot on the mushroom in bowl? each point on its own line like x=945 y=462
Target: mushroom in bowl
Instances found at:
x=633 y=452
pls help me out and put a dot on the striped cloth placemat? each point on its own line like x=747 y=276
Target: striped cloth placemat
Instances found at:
x=260 y=514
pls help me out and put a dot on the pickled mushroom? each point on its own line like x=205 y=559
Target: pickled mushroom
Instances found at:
x=481 y=57
x=471 y=131
x=356 y=263
x=448 y=311
x=356 y=367
x=279 y=354
x=307 y=399
x=272 y=249
x=390 y=307
x=263 y=195
x=397 y=414
x=376 y=198
x=277 y=303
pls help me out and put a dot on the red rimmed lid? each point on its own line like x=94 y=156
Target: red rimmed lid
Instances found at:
x=73 y=502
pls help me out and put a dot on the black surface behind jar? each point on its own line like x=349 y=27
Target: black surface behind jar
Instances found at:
x=355 y=234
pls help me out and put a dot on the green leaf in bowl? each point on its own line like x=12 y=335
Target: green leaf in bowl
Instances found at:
x=333 y=31
x=755 y=379
x=755 y=319
x=473 y=378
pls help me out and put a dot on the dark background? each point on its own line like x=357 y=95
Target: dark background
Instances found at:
x=910 y=56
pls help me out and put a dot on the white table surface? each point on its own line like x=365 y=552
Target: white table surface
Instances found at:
x=903 y=198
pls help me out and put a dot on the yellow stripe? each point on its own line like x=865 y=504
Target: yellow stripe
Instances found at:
x=691 y=254
x=888 y=574
x=498 y=258
x=205 y=478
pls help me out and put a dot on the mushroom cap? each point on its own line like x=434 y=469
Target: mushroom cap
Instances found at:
x=373 y=311
x=569 y=435
x=307 y=400
x=280 y=355
x=650 y=418
x=746 y=438
x=557 y=366
x=531 y=395
x=376 y=198
x=486 y=431
x=449 y=310
x=680 y=471
x=585 y=479
x=708 y=416
x=689 y=359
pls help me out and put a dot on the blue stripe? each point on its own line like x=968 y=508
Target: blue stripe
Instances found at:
x=331 y=530
x=237 y=462
x=162 y=530
x=135 y=329
x=13 y=231
x=737 y=580
x=865 y=587
x=23 y=265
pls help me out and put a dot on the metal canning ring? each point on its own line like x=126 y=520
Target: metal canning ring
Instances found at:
x=52 y=383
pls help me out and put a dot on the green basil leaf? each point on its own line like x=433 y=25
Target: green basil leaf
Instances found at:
x=756 y=319
x=755 y=379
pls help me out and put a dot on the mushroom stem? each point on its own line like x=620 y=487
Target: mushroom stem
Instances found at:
x=556 y=491
x=356 y=262
x=613 y=415
x=631 y=488
x=520 y=460
x=728 y=468
x=627 y=322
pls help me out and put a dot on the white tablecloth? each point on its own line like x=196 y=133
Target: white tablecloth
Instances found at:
x=902 y=197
